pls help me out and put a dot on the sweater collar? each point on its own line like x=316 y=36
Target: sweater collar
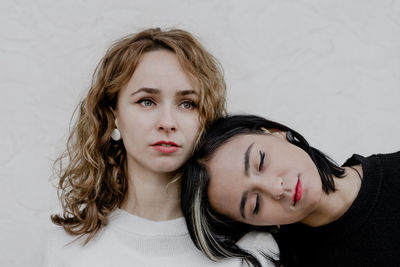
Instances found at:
x=140 y=226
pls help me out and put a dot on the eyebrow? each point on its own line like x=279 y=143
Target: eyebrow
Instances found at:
x=243 y=203
x=155 y=91
x=246 y=160
x=146 y=90
x=187 y=92
x=246 y=172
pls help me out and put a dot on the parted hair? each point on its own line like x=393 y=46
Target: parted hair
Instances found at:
x=213 y=233
x=92 y=171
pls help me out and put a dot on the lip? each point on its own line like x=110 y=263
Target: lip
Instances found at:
x=298 y=192
x=165 y=146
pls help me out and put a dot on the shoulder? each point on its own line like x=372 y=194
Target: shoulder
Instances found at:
x=259 y=243
x=63 y=249
x=57 y=239
x=257 y=238
x=388 y=165
x=390 y=169
x=378 y=165
x=392 y=159
x=388 y=158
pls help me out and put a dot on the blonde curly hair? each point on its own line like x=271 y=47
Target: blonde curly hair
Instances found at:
x=92 y=171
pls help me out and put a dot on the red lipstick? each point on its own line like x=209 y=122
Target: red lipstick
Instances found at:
x=298 y=191
x=165 y=146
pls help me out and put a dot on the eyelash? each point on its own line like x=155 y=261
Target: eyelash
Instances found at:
x=262 y=159
x=257 y=206
x=192 y=104
x=143 y=100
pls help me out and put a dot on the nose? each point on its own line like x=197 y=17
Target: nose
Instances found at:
x=166 y=121
x=273 y=186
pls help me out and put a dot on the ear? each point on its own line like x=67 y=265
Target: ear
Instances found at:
x=281 y=135
x=115 y=116
x=265 y=130
x=275 y=132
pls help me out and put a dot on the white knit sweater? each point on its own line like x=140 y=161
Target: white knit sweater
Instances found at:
x=129 y=240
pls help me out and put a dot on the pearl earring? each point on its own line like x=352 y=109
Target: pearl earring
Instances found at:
x=116 y=135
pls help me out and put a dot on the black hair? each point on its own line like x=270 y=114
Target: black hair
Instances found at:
x=213 y=233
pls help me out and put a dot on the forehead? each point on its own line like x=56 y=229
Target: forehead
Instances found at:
x=160 y=69
x=235 y=148
x=226 y=171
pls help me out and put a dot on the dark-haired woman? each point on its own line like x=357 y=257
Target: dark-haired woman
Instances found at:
x=251 y=173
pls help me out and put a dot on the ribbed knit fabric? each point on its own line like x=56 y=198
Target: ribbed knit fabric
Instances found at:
x=129 y=240
x=368 y=234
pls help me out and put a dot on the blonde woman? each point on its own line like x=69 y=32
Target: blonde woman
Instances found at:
x=152 y=95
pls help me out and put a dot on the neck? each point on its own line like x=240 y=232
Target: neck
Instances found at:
x=152 y=195
x=333 y=205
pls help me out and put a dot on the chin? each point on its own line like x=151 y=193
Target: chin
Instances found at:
x=167 y=166
x=167 y=169
x=315 y=196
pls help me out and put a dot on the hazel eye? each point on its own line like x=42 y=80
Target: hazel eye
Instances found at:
x=187 y=104
x=146 y=102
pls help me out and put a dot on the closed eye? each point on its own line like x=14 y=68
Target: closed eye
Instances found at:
x=257 y=206
x=262 y=157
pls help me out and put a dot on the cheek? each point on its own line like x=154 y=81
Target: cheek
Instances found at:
x=133 y=127
x=134 y=118
x=220 y=203
x=315 y=189
x=190 y=125
x=223 y=194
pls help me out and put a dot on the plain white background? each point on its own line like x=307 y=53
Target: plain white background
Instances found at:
x=329 y=69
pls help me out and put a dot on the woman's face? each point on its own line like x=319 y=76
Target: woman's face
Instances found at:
x=262 y=179
x=157 y=114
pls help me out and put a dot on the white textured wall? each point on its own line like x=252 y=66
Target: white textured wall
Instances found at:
x=330 y=69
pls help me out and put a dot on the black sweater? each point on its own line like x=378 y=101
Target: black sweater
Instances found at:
x=368 y=234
